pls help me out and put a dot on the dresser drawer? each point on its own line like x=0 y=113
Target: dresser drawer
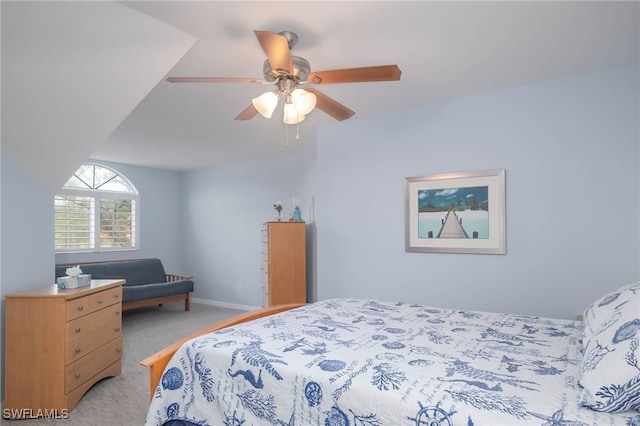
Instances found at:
x=90 y=324
x=79 y=347
x=91 y=364
x=92 y=302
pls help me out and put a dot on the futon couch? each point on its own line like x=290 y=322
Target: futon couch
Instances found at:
x=147 y=284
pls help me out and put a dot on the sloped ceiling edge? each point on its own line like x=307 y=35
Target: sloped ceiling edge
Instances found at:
x=71 y=73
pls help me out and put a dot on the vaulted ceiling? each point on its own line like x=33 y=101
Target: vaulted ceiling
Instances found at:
x=87 y=79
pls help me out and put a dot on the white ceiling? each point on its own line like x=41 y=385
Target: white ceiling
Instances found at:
x=444 y=49
x=71 y=73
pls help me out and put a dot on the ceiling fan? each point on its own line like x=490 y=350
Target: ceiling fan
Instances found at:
x=288 y=73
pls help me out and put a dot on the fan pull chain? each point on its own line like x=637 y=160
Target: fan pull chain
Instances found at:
x=287 y=133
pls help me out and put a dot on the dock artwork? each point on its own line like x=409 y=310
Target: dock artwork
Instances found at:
x=456 y=212
x=453 y=213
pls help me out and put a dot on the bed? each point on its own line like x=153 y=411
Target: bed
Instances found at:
x=366 y=362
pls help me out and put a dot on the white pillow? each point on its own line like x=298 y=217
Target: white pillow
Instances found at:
x=611 y=360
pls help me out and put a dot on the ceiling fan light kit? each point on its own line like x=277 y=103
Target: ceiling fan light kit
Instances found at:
x=298 y=102
x=305 y=101
x=288 y=73
x=265 y=104
x=291 y=116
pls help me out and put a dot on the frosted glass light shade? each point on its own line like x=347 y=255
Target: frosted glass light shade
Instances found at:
x=291 y=115
x=304 y=101
x=265 y=104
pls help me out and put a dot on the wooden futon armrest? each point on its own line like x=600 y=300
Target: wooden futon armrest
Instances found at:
x=174 y=277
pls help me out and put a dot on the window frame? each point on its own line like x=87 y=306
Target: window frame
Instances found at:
x=97 y=195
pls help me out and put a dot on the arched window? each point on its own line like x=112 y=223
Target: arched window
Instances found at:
x=96 y=210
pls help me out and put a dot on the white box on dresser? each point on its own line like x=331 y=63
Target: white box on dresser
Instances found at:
x=59 y=343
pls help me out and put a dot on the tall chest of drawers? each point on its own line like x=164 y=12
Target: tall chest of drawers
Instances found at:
x=284 y=271
x=59 y=343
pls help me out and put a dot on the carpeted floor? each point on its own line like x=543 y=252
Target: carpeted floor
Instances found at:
x=123 y=400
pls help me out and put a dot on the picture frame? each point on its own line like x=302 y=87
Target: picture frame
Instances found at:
x=456 y=213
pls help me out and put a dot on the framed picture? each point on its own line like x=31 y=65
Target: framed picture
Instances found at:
x=456 y=213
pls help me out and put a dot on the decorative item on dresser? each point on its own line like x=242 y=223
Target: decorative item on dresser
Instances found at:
x=278 y=208
x=59 y=343
x=284 y=272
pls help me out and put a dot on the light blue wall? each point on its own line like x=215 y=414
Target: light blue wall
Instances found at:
x=161 y=210
x=27 y=254
x=26 y=251
x=27 y=231
x=570 y=148
x=226 y=207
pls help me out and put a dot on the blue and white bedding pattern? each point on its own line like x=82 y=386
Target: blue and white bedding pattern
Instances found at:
x=611 y=339
x=363 y=362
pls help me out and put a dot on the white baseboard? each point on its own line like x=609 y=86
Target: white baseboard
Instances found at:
x=225 y=304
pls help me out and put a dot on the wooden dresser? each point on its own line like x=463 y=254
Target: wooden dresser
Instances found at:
x=284 y=273
x=59 y=343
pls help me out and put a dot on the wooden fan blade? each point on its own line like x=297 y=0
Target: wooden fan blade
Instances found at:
x=213 y=80
x=331 y=106
x=276 y=47
x=356 y=75
x=248 y=113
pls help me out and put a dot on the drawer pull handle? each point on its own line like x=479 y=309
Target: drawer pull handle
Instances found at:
x=77 y=375
x=77 y=350
x=118 y=329
x=80 y=307
x=116 y=295
x=99 y=300
x=117 y=312
x=118 y=350
x=77 y=329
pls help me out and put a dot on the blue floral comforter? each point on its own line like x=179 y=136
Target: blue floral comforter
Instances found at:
x=361 y=362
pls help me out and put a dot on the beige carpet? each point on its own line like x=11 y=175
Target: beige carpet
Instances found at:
x=123 y=400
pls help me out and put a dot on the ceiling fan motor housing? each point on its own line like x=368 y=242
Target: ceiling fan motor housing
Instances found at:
x=293 y=71
x=292 y=38
x=301 y=70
